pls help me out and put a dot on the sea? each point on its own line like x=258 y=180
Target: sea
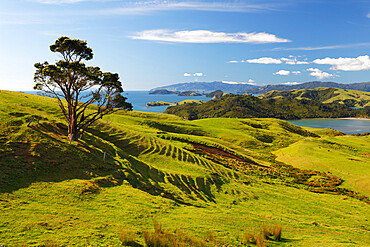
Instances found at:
x=139 y=99
x=345 y=125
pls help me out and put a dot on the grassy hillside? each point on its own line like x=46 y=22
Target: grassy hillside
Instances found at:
x=352 y=98
x=212 y=177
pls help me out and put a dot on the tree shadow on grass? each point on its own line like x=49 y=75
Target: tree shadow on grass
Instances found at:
x=42 y=158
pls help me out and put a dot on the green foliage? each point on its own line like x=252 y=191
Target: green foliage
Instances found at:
x=77 y=86
x=247 y=106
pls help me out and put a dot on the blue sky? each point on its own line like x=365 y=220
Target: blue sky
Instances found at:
x=156 y=43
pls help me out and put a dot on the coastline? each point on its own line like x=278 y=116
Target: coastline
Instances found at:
x=326 y=118
x=354 y=118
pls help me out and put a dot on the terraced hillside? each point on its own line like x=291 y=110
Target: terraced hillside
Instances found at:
x=221 y=177
x=352 y=98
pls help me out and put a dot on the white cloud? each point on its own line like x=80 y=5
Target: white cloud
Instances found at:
x=233 y=61
x=293 y=60
x=198 y=74
x=320 y=74
x=346 y=64
x=291 y=83
x=282 y=72
x=187 y=74
x=234 y=82
x=205 y=36
x=269 y=60
x=265 y=60
x=296 y=72
x=142 y=7
x=250 y=81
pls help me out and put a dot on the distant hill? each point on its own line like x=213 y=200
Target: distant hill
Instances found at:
x=364 y=86
x=162 y=91
x=350 y=98
x=207 y=86
x=189 y=93
x=247 y=106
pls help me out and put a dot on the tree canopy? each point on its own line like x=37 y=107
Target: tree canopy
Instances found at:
x=84 y=93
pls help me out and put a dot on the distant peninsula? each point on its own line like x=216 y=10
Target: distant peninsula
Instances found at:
x=162 y=91
x=253 y=89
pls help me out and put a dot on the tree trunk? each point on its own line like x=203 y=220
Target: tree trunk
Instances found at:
x=72 y=130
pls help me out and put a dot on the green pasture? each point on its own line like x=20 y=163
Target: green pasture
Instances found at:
x=53 y=192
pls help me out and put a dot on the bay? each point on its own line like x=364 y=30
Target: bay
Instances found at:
x=139 y=99
x=348 y=125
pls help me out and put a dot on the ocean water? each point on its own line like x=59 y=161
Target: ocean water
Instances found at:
x=348 y=126
x=139 y=99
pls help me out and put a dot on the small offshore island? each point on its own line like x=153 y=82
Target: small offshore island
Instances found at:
x=214 y=95
x=163 y=103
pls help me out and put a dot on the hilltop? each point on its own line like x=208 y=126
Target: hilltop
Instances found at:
x=363 y=86
x=350 y=98
x=217 y=179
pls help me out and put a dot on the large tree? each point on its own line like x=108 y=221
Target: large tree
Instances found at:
x=84 y=93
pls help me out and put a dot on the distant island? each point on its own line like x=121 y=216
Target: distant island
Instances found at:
x=159 y=103
x=214 y=95
x=207 y=86
x=162 y=91
x=163 y=103
x=252 y=89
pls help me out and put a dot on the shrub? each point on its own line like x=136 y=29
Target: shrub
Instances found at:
x=260 y=238
x=128 y=238
x=277 y=232
x=166 y=238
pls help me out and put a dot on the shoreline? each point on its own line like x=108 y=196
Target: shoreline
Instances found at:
x=344 y=118
x=354 y=118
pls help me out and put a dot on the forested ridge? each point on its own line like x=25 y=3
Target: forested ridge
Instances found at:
x=246 y=106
